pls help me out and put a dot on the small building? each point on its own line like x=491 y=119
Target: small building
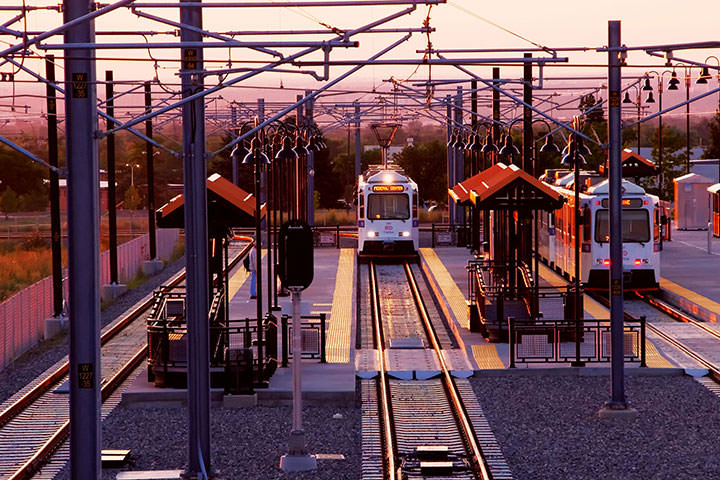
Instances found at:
x=103 y=195
x=691 y=202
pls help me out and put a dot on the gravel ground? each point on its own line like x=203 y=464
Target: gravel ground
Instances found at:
x=548 y=427
x=37 y=360
x=246 y=443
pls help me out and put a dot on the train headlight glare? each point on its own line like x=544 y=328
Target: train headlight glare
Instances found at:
x=637 y=261
x=405 y=234
x=372 y=234
x=606 y=261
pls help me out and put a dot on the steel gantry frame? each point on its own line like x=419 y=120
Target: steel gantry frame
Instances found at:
x=83 y=109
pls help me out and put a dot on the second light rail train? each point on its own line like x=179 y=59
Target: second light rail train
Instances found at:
x=640 y=230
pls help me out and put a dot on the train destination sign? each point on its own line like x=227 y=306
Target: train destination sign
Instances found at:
x=388 y=188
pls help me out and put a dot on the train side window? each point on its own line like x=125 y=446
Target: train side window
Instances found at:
x=361 y=206
x=415 y=205
x=587 y=216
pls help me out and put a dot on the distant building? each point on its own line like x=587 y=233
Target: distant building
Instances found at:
x=103 y=195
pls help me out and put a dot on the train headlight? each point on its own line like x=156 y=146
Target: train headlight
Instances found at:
x=637 y=261
x=372 y=234
x=405 y=234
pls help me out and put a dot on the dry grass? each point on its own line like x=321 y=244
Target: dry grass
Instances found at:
x=21 y=268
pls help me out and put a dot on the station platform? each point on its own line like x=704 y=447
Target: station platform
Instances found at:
x=329 y=384
x=687 y=272
x=447 y=267
x=686 y=268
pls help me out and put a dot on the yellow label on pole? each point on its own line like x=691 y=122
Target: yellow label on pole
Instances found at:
x=614 y=99
x=86 y=375
x=616 y=287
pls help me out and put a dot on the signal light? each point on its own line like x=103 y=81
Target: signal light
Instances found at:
x=606 y=261
x=637 y=261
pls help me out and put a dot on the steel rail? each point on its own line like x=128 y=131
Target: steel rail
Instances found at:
x=385 y=402
x=675 y=313
x=41 y=456
x=713 y=370
x=477 y=459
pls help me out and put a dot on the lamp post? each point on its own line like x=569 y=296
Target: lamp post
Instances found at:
x=550 y=148
x=705 y=75
x=258 y=159
x=574 y=157
x=671 y=86
x=638 y=103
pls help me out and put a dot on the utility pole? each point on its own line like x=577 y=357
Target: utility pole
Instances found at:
x=150 y=174
x=618 y=405
x=55 y=227
x=83 y=198
x=358 y=144
x=196 y=244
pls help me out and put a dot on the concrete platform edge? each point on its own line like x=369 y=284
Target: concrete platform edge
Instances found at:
x=579 y=372
x=688 y=306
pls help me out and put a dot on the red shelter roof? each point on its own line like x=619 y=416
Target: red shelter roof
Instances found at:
x=506 y=187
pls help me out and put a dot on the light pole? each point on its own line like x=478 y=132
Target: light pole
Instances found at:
x=671 y=86
x=704 y=76
x=258 y=159
x=638 y=102
x=574 y=157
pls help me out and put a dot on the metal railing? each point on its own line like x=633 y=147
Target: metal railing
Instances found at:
x=313 y=337
x=553 y=341
x=445 y=234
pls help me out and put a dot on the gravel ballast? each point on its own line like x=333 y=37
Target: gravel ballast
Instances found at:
x=548 y=427
x=247 y=443
x=38 y=359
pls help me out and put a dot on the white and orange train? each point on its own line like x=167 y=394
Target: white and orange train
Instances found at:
x=387 y=212
x=641 y=237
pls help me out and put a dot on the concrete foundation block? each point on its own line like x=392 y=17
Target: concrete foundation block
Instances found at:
x=152 y=267
x=54 y=325
x=112 y=291
x=627 y=414
x=240 y=401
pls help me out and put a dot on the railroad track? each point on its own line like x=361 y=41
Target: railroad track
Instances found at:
x=36 y=422
x=672 y=312
x=428 y=427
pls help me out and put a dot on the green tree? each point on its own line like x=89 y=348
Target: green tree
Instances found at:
x=425 y=163
x=713 y=150
x=673 y=164
x=132 y=198
x=9 y=202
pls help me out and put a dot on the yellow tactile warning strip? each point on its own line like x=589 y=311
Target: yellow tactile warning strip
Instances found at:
x=691 y=296
x=237 y=280
x=592 y=308
x=338 y=339
x=454 y=297
x=487 y=357
x=654 y=358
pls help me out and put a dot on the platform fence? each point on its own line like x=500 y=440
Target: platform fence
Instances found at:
x=22 y=316
x=553 y=341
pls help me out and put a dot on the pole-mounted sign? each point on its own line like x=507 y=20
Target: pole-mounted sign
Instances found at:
x=296 y=273
x=296 y=254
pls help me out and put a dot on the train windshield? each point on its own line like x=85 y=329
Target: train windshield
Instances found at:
x=388 y=206
x=635 y=226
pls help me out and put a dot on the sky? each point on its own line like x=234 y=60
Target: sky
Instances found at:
x=459 y=24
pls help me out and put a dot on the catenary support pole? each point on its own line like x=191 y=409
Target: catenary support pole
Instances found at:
x=112 y=187
x=234 y=159
x=450 y=154
x=83 y=197
x=150 y=173
x=459 y=157
x=196 y=248
x=618 y=402
x=358 y=144
x=309 y=111
x=55 y=226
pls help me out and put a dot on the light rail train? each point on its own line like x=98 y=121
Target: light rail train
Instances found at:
x=387 y=212
x=641 y=237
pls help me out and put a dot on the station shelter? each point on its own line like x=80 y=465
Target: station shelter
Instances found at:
x=504 y=279
x=228 y=207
